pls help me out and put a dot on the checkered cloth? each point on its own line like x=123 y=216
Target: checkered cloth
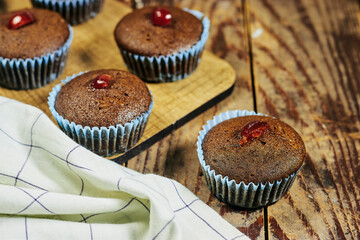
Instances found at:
x=51 y=188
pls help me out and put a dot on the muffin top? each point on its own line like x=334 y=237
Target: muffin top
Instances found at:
x=137 y=34
x=125 y=98
x=47 y=33
x=276 y=153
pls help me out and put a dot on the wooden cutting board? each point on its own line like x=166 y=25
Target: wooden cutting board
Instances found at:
x=175 y=103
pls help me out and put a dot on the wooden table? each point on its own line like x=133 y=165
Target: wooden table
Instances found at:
x=296 y=60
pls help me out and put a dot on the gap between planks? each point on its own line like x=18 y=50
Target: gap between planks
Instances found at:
x=247 y=27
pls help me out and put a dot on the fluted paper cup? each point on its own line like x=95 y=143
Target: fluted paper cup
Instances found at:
x=30 y=73
x=251 y=195
x=74 y=11
x=172 y=67
x=104 y=140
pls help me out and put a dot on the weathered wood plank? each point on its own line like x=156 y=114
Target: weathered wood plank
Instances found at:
x=175 y=156
x=306 y=56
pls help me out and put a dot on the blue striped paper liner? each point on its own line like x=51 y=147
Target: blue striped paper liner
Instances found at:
x=169 y=68
x=30 y=73
x=105 y=140
x=74 y=11
x=240 y=194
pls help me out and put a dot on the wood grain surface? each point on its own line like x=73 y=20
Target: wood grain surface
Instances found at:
x=306 y=65
x=296 y=60
x=94 y=47
x=302 y=58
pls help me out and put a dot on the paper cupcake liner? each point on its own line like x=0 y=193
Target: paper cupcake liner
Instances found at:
x=239 y=193
x=35 y=72
x=74 y=11
x=172 y=67
x=104 y=141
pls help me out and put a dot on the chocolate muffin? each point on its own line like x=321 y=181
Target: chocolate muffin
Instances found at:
x=74 y=11
x=105 y=110
x=137 y=34
x=162 y=44
x=34 y=47
x=46 y=34
x=275 y=154
x=125 y=98
x=249 y=160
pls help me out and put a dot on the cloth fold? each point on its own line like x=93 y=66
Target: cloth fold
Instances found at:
x=52 y=188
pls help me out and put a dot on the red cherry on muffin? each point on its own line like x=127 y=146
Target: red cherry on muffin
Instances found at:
x=102 y=81
x=160 y=17
x=20 y=19
x=253 y=130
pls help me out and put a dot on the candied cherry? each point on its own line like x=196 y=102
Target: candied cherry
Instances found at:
x=160 y=17
x=20 y=19
x=102 y=81
x=253 y=130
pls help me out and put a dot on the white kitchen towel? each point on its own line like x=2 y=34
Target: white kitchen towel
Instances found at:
x=52 y=188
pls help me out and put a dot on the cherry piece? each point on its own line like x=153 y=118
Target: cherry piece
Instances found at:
x=160 y=17
x=20 y=19
x=253 y=130
x=102 y=81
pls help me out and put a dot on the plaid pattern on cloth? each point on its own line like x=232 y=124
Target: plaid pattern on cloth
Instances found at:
x=51 y=188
